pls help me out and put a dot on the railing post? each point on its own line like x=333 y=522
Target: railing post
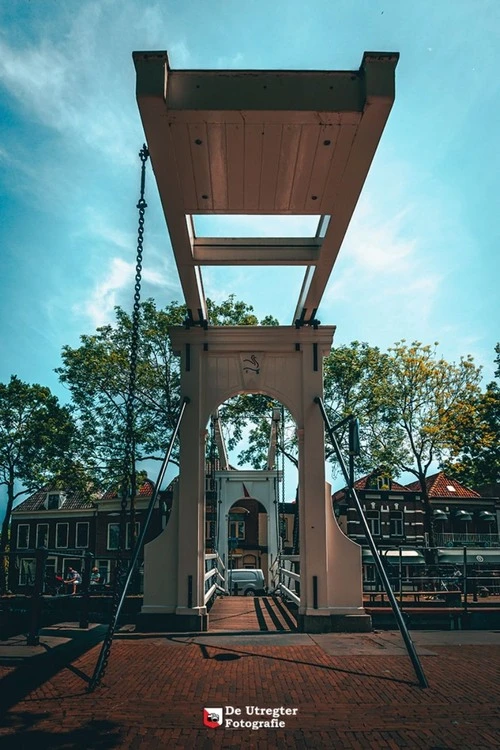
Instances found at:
x=85 y=601
x=33 y=638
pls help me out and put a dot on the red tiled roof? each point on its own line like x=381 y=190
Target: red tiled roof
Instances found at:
x=438 y=486
x=361 y=484
x=73 y=501
x=145 y=490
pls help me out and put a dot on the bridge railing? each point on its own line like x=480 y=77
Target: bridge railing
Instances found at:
x=289 y=577
x=214 y=576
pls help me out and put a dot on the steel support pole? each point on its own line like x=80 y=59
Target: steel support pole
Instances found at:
x=378 y=563
x=106 y=646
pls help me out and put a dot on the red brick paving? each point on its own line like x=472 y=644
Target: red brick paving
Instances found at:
x=156 y=687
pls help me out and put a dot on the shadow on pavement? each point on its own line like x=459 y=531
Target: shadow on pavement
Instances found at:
x=229 y=654
x=96 y=734
x=39 y=669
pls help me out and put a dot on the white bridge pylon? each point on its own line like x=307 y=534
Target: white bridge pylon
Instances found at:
x=258 y=143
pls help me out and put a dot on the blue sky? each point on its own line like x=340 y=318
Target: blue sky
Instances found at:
x=420 y=260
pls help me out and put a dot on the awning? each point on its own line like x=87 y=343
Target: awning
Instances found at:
x=408 y=556
x=463 y=515
x=440 y=515
x=474 y=556
x=486 y=515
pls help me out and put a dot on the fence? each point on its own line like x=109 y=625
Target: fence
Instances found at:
x=457 y=577
x=39 y=584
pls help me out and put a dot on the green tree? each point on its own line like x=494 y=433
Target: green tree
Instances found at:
x=352 y=377
x=38 y=442
x=97 y=373
x=419 y=412
x=476 y=460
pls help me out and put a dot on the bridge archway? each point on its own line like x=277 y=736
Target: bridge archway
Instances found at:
x=285 y=363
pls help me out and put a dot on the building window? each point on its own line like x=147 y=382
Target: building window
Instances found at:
x=103 y=566
x=373 y=521
x=383 y=482
x=369 y=573
x=113 y=535
x=61 y=535
x=396 y=523
x=82 y=534
x=137 y=529
x=42 y=534
x=50 y=567
x=55 y=500
x=237 y=529
x=23 y=536
x=210 y=529
x=27 y=571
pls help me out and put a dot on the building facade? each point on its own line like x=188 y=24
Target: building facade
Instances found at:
x=69 y=525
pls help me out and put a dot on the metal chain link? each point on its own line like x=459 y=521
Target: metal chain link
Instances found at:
x=129 y=481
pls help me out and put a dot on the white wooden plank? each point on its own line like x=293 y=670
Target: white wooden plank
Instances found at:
x=253 y=165
x=181 y=151
x=271 y=147
x=218 y=165
x=309 y=136
x=198 y=141
x=235 y=150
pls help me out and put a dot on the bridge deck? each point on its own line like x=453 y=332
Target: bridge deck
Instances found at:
x=261 y=613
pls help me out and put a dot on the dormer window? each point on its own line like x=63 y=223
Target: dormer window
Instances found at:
x=55 y=500
x=383 y=482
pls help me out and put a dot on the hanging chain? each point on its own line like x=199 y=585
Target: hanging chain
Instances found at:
x=128 y=488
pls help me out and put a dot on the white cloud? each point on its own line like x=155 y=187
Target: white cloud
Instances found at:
x=104 y=298
x=98 y=225
x=54 y=81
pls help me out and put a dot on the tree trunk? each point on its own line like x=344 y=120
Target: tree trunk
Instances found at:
x=429 y=521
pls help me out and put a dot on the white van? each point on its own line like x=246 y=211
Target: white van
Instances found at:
x=246 y=581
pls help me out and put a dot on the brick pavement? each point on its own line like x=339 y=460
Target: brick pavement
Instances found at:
x=351 y=691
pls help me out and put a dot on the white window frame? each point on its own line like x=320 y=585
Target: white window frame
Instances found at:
x=52 y=495
x=104 y=564
x=51 y=565
x=369 y=574
x=38 y=527
x=127 y=533
x=239 y=528
x=108 y=536
x=32 y=564
x=395 y=522
x=373 y=522
x=23 y=526
x=62 y=546
x=82 y=523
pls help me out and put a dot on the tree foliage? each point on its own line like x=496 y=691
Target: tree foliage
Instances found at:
x=38 y=442
x=419 y=409
x=476 y=460
x=97 y=375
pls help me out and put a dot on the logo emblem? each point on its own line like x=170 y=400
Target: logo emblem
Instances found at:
x=213 y=717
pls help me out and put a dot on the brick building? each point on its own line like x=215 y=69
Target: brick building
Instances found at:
x=70 y=524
